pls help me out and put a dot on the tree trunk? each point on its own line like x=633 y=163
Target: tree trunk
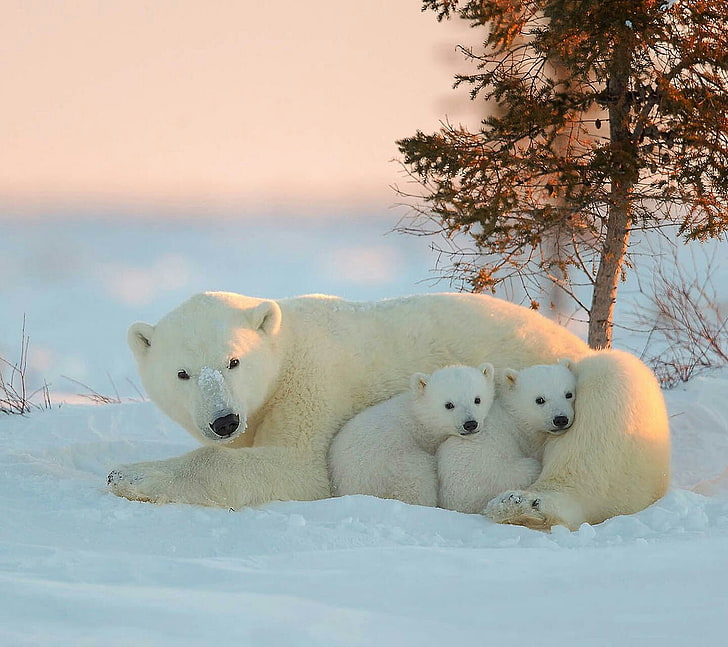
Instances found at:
x=601 y=313
x=619 y=221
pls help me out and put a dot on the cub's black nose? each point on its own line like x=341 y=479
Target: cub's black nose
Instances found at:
x=470 y=426
x=561 y=421
x=226 y=425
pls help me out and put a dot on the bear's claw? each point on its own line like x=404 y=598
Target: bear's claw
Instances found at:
x=520 y=509
x=131 y=484
x=119 y=476
x=511 y=499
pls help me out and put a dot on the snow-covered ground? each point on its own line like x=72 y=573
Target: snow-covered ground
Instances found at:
x=79 y=566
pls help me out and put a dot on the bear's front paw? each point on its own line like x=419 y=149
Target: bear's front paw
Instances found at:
x=141 y=482
x=519 y=508
x=120 y=475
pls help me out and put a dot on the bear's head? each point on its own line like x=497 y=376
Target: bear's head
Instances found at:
x=540 y=398
x=211 y=363
x=453 y=400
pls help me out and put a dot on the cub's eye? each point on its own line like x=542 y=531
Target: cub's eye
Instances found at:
x=183 y=375
x=449 y=405
x=234 y=362
x=569 y=395
x=540 y=400
x=477 y=400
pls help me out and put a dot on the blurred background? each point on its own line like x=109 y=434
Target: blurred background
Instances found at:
x=177 y=107
x=157 y=148
x=153 y=149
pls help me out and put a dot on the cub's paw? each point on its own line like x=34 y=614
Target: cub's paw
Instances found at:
x=519 y=508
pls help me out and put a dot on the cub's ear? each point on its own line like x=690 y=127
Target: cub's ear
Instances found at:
x=510 y=377
x=418 y=382
x=566 y=363
x=487 y=369
x=266 y=317
x=139 y=338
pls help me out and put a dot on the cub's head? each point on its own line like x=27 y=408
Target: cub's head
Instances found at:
x=541 y=398
x=453 y=400
x=211 y=363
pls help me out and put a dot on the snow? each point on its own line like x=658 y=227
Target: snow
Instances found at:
x=79 y=566
x=212 y=388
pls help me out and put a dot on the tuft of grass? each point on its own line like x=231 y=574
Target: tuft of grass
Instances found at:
x=15 y=398
x=95 y=397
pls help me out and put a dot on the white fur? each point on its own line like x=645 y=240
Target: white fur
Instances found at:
x=388 y=450
x=629 y=443
x=309 y=364
x=531 y=405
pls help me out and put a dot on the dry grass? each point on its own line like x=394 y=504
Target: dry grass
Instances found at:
x=15 y=398
x=688 y=328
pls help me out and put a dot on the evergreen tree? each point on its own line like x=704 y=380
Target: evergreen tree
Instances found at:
x=608 y=116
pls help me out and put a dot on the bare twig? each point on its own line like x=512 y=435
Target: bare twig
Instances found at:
x=687 y=328
x=93 y=395
x=99 y=398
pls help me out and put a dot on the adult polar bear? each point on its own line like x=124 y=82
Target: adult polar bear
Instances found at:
x=266 y=384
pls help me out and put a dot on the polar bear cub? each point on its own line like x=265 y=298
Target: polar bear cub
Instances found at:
x=530 y=407
x=388 y=450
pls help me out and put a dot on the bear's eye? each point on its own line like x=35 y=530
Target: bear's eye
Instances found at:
x=183 y=375
x=477 y=400
x=234 y=362
x=449 y=405
x=569 y=395
x=540 y=400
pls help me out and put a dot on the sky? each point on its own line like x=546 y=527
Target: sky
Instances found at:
x=184 y=104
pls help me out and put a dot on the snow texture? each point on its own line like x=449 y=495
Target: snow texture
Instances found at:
x=212 y=388
x=81 y=566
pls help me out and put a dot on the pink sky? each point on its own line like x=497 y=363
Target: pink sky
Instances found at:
x=222 y=104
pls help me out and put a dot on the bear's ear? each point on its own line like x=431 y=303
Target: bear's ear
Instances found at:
x=266 y=318
x=139 y=338
x=510 y=377
x=565 y=363
x=486 y=368
x=418 y=382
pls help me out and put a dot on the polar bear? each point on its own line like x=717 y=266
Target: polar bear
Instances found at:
x=388 y=450
x=531 y=406
x=282 y=377
x=602 y=378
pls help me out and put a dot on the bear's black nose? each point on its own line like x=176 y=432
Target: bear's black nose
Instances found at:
x=470 y=426
x=226 y=425
x=561 y=421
